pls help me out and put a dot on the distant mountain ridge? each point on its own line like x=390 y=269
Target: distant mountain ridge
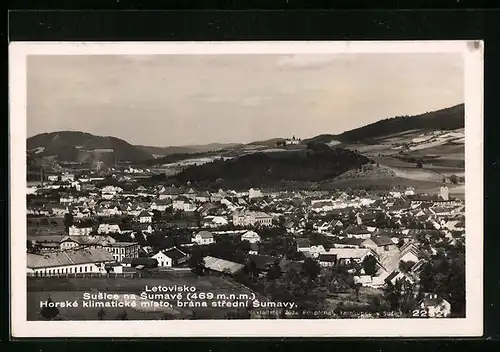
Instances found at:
x=445 y=119
x=188 y=149
x=65 y=145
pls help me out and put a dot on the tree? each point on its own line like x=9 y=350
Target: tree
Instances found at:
x=49 y=311
x=274 y=272
x=311 y=268
x=245 y=246
x=101 y=313
x=196 y=262
x=405 y=267
x=446 y=278
x=29 y=246
x=123 y=315
x=392 y=294
x=252 y=269
x=419 y=165
x=68 y=221
x=357 y=287
x=156 y=217
x=454 y=179
x=370 y=265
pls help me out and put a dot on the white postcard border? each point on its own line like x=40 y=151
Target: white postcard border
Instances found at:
x=472 y=325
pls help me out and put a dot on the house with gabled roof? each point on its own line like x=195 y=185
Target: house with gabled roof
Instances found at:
x=380 y=244
x=170 y=257
x=327 y=260
x=250 y=236
x=357 y=232
x=169 y=193
x=303 y=244
x=410 y=253
x=145 y=217
x=397 y=275
x=204 y=238
x=71 y=242
x=435 y=306
x=202 y=197
x=160 y=204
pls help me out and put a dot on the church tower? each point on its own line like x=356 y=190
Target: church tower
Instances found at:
x=444 y=192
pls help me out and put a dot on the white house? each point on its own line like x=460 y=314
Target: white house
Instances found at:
x=214 y=221
x=170 y=257
x=203 y=238
x=67 y=177
x=71 y=242
x=145 y=217
x=109 y=192
x=108 y=228
x=315 y=251
x=121 y=250
x=254 y=193
x=409 y=253
x=183 y=204
x=252 y=218
x=410 y=191
x=67 y=199
x=79 y=231
x=250 y=236
x=435 y=307
x=160 y=205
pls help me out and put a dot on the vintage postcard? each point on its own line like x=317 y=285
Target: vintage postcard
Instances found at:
x=246 y=189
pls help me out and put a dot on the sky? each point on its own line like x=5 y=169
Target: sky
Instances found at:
x=167 y=100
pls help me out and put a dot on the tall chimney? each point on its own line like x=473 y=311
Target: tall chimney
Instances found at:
x=41 y=175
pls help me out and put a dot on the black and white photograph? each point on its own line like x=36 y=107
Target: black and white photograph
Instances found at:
x=217 y=189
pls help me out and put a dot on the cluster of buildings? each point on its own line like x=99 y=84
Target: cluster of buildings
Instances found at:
x=333 y=228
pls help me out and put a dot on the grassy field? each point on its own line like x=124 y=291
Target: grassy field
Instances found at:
x=61 y=289
x=45 y=226
x=366 y=294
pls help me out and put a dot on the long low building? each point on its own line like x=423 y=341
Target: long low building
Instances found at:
x=85 y=260
x=222 y=266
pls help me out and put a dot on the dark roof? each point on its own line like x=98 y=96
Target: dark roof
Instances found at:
x=348 y=241
x=144 y=214
x=174 y=253
x=382 y=240
x=303 y=242
x=357 y=230
x=205 y=234
x=392 y=276
x=144 y=261
x=327 y=257
x=426 y=198
x=263 y=262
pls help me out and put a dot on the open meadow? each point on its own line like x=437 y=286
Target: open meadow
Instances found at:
x=209 y=289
